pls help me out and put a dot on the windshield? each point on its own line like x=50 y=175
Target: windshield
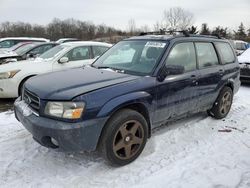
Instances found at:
x=240 y=46
x=53 y=52
x=22 y=50
x=18 y=45
x=132 y=57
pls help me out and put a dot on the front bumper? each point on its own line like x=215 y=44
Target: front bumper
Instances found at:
x=8 y=88
x=245 y=74
x=81 y=136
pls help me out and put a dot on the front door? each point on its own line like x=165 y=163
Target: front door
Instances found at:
x=78 y=57
x=177 y=94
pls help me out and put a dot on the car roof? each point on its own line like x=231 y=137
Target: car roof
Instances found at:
x=86 y=43
x=240 y=41
x=44 y=43
x=63 y=39
x=179 y=37
x=24 y=38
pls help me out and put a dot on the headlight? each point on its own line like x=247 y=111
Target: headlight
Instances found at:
x=10 y=74
x=67 y=110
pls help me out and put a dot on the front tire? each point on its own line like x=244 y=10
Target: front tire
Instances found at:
x=124 y=137
x=222 y=104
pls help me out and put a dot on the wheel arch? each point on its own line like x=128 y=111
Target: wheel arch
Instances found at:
x=22 y=82
x=229 y=84
x=138 y=101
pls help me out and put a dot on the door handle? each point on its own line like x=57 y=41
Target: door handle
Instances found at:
x=221 y=71
x=194 y=81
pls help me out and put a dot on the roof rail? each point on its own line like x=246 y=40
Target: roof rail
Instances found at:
x=208 y=36
x=184 y=32
x=164 y=31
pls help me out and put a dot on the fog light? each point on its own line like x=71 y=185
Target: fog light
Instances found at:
x=55 y=142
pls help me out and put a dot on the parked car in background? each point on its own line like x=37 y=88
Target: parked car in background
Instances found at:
x=61 y=57
x=27 y=51
x=63 y=40
x=11 y=41
x=239 y=46
x=244 y=60
x=13 y=48
x=137 y=85
x=248 y=45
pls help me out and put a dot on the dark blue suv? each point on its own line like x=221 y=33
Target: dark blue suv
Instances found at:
x=137 y=85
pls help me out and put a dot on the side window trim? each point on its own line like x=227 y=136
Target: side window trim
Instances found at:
x=218 y=54
x=92 y=56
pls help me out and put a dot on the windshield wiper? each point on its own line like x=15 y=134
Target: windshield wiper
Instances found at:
x=102 y=67
x=113 y=68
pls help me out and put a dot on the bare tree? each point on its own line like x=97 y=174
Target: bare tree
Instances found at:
x=205 y=29
x=177 y=18
x=145 y=28
x=131 y=26
x=157 y=26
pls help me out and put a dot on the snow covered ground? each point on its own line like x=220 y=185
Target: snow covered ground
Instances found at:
x=189 y=153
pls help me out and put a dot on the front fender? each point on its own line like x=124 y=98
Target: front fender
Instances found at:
x=141 y=97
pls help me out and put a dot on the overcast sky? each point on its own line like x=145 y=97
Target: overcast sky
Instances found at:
x=116 y=13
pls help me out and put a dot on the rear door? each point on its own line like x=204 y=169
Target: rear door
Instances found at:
x=77 y=56
x=177 y=94
x=211 y=73
x=228 y=59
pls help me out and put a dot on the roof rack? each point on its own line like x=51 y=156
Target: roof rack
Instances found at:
x=173 y=32
x=164 y=32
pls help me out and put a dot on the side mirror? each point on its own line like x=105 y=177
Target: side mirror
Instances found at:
x=63 y=60
x=170 y=70
x=30 y=55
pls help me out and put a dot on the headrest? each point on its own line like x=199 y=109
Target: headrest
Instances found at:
x=152 y=53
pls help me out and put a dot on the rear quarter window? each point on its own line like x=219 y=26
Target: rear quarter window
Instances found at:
x=226 y=52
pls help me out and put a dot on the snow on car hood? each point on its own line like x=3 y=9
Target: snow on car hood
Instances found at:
x=245 y=57
x=67 y=84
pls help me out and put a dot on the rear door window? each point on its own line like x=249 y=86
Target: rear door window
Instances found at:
x=206 y=55
x=226 y=52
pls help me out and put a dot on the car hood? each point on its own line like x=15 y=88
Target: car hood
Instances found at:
x=65 y=85
x=244 y=58
x=5 y=53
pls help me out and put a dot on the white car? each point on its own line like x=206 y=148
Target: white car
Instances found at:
x=8 y=42
x=244 y=60
x=64 y=56
x=239 y=46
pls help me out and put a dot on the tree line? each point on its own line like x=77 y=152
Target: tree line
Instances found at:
x=57 y=29
x=175 y=18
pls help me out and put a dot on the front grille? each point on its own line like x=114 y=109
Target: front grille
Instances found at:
x=245 y=71
x=32 y=100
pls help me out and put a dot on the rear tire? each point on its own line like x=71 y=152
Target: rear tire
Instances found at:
x=124 y=137
x=222 y=104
